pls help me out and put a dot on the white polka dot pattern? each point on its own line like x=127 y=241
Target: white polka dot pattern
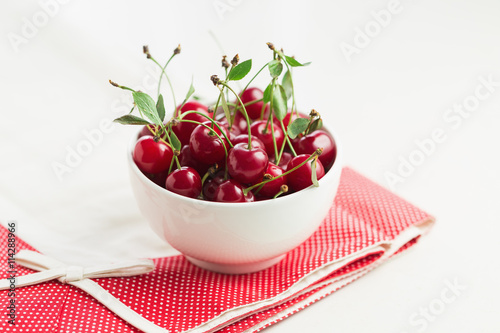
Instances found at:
x=179 y=296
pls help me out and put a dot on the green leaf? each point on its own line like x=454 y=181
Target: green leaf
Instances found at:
x=131 y=120
x=240 y=70
x=275 y=68
x=147 y=106
x=190 y=91
x=298 y=126
x=287 y=84
x=279 y=102
x=176 y=144
x=314 y=176
x=160 y=107
x=267 y=94
x=226 y=109
x=316 y=125
x=294 y=63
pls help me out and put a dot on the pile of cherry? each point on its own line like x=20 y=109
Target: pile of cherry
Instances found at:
x=211 y=168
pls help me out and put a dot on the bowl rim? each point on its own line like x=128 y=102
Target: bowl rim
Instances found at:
x=330 y=174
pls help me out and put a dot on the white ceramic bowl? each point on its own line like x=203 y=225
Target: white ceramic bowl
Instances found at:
x=235 y=238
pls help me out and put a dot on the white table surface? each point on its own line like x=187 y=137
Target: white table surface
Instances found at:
x=393 y=91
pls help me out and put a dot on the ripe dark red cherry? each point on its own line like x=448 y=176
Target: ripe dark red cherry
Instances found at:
x=184 y=181
x=211 y=185
x=151 y=156
x=231 y=191
x=257 y=129
x=193 y=106
x=183 y=130
x=285 y=158
x=147 y=130
x=243 y=138
x=270 y=189
x=240 y=122
x=290 y=117
x=205 y=146
x=318 y=139
x=245 y=165
x=158 y=178
x=301 y=178
x=186 y=158
x=252 y=94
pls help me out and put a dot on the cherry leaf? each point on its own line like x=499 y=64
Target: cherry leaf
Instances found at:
x=316 y=125
x=297 y=127
x=131 y=120
x=226 y=108
x=267 y=94
x=275 y=68
x=160 y=107
x=240 y=71
x=294 y=63
x=147 y=106
x=287 y=84
x=176 y=143
x=190 y=91
x=279 y=102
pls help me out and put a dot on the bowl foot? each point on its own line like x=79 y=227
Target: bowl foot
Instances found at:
x=236 y=268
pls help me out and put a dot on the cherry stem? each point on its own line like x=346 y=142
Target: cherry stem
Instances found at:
x=218 y=136
x=211 y=120
x=272 y=134
x=260 y=70
x=114 y=84
x=171 y=165
x=283 y=189
x=247 y=103
x=288 y=139
x=216 y=107
x=244 y=113
x=318 y=152
x=168 y=79
x=164 y=129
x=210 y=172
x=278 y=158
x=294 y=106
x=270 y=119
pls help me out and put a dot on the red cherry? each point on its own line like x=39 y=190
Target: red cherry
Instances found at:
x=243 y=138
x=257 y=129
x=158 y=178
x=193 y=106
x=231 y=191
x=211 y=185
x=184 y=181
x=252 y=94
x=205 y=146
x=270 y=189
x=151 y=156
x=186 y=158
x=290 y=117
x=309 y=143
x=233 y=132
x=183 y=130
x=286 y=157
x=240 y=122
x=247 y=165
x=147 y=130
x=301 y=178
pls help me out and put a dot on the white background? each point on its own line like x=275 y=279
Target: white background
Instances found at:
x=393 y=91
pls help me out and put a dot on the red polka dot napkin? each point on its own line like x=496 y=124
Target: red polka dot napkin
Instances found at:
x=366 y=225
